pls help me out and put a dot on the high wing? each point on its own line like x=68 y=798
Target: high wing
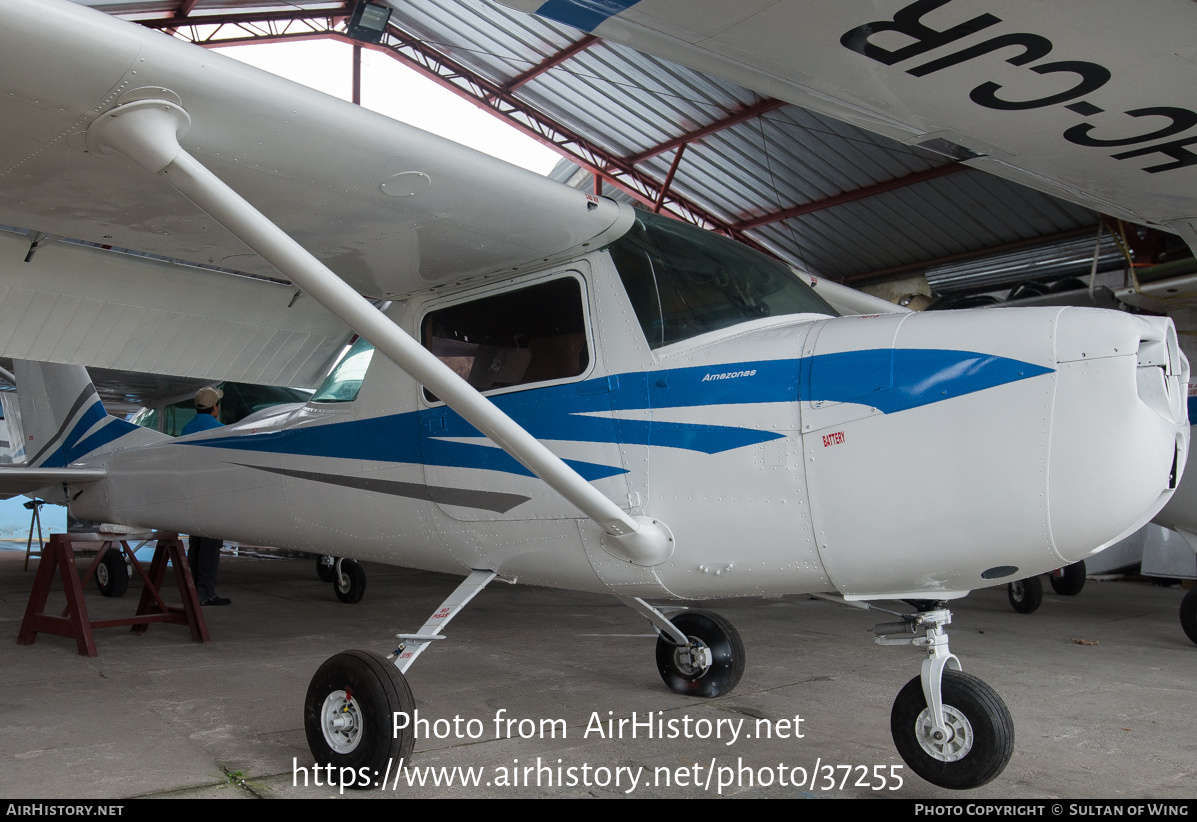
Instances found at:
x=1094 y=102
x=387 y=207
x=340 y=200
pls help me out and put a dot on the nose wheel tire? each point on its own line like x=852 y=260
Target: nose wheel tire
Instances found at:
x=1025 y=595
x=348 y=718
x=1069 y=580
x=713 y=662
x=1188 y=614
x=112 y=575
x=351 y=586
x=980 y=738
x=326 y=568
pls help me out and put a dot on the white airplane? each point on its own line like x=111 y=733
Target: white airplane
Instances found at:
x=567 y=392
x=1094 y=102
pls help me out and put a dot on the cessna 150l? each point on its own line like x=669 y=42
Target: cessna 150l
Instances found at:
x=562 y=390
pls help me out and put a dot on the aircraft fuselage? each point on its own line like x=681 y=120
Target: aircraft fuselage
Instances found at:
x=897 y=455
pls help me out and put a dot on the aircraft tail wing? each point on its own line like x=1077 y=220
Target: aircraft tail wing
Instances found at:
x=15 y=479
x=64 y=419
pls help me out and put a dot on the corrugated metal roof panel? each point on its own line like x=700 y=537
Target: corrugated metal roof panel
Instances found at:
x=1069 y=258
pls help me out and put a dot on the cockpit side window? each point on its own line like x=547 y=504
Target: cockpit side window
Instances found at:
x=527 y=335
x=684 y=281
x=345 y=380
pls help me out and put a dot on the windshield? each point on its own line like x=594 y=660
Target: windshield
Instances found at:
x=684 y=281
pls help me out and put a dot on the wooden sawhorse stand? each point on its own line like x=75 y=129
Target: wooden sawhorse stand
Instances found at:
x=59 y=556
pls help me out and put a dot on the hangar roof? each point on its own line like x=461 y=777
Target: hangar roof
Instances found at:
x=821 y=194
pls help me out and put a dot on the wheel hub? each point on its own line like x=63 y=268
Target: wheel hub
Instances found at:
x=102 y=575
x=694 y=659
x=946 y=747
x=341 y=722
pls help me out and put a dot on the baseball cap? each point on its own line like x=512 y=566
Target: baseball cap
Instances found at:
x=207 y=397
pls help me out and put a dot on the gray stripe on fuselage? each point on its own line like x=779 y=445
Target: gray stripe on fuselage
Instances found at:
x=496 y=501
x=87 y=392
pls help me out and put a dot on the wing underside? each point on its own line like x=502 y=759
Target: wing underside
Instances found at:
x=387 y=207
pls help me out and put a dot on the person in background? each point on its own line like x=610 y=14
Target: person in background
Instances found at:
x=203 y=553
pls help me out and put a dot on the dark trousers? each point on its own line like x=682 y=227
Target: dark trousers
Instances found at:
x=203 y=556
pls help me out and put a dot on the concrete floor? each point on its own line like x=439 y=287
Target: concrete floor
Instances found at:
x=1101 y=686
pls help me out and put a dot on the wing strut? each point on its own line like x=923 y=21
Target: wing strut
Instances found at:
x=147 y=132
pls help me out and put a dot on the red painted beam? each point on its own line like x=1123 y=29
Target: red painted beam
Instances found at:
x=232 y=19
x=677 y=159
x=850 y=196
x=182 y=12
x=747 y=113
x=577 y=47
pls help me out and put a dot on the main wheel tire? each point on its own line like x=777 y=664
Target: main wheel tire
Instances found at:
x=348 y=718
x=706 y=630
x=983 y=738
x=1188 y=614
x=1069 y=580
x=112 y=575
x=351 y=587
x=1025 y=594
x=326 y=568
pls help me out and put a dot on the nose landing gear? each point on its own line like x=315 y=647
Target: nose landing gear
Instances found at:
x=975 y=742
x=951 y=728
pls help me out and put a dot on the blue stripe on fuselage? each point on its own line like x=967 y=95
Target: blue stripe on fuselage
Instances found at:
x=912 y=378
x=586 y=15
x=920 y=377
x=74 y=447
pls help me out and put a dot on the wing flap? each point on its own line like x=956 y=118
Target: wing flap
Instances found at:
x=85 y=306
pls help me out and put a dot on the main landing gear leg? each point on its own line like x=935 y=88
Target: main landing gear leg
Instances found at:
x=353 y=713
x=951 y=728
x=699 y=653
